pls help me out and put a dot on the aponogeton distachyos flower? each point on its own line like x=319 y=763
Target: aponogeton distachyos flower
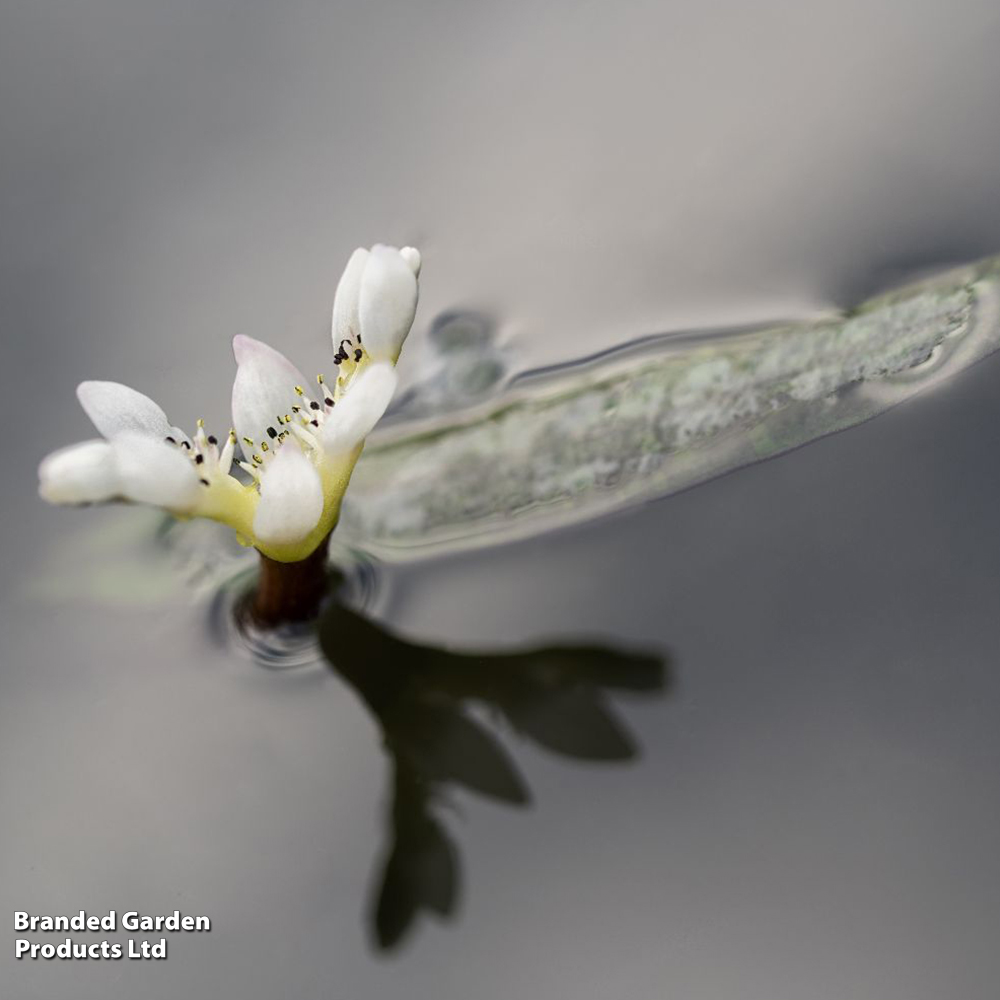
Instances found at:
x=295 y=444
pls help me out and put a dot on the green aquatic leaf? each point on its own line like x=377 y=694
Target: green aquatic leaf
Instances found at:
x=645 y=421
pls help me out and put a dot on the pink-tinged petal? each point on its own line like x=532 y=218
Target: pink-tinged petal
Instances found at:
x=264 y=389
x=81 y=473
x=360 y=409
x=345 y=325
x=116 y=409
x=291 y=498
x=154 y=472
x=387 y=302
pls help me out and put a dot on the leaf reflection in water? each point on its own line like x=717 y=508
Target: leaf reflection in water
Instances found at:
x=423 y=699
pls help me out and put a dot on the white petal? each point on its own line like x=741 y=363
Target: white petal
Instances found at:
x=264 y=388
x=116 y=409
x=361 y=408
x=154 y=472
x=179 y=435
x=345 y=302
x=412 y=257
x=386 y=303
x=291 y=498
x=81 y=473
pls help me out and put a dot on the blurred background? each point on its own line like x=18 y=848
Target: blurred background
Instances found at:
x=580 y=174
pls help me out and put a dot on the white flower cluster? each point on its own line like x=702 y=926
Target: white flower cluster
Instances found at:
x=297 y=445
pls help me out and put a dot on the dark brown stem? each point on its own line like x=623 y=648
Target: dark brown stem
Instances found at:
x=289 y=592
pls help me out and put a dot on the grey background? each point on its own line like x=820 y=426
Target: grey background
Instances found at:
x=815 y=814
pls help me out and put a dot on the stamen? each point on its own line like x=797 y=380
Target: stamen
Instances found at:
x=172 y=440
x=198 y=459
x=299 y=390
x=305 y=436
x=328 y=401
x=271 y=432
x=212 y=439
x=248 y=441
x=263 y=446
x=204 y=482
x=314 y=405
x=226 y=458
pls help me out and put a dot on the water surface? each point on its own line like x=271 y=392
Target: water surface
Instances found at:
x=810 y=808
x=814 y=809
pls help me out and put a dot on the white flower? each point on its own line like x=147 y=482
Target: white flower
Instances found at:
x=375 y=301
x=299 y=446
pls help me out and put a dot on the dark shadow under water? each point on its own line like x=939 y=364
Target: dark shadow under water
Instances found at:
x=439 y=712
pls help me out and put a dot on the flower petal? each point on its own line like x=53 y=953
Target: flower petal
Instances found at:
x=116 y=409
x=81 y=473
x=345 y=325
x=152 y=471
x=412 y=257
x=360 y=409
x=291 y=498
x=264 y=388
x=387 y=302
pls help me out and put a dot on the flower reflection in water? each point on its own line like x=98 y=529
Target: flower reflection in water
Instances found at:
x=428 y=703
